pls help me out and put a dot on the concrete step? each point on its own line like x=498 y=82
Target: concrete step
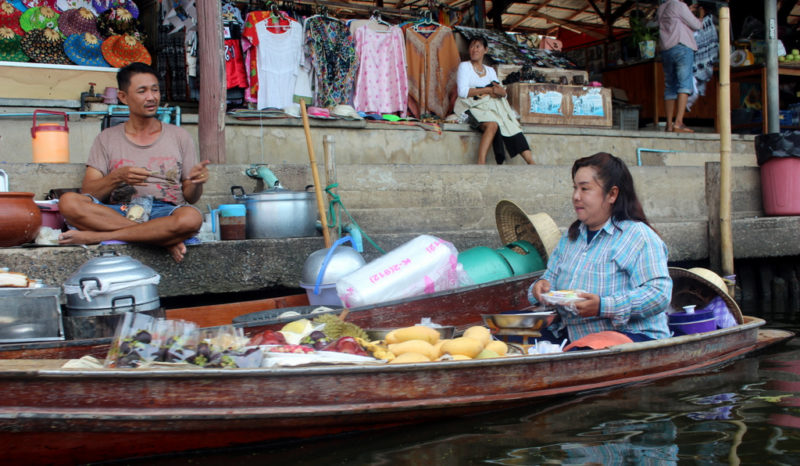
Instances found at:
x=686 y=158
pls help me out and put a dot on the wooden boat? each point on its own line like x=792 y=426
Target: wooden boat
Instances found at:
x=204 y=316
x=56 y=415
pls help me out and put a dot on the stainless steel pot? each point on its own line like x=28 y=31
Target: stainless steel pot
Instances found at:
x=122 y=284
x=278 y=213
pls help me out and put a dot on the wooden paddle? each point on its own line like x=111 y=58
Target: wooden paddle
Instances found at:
x=317 y=188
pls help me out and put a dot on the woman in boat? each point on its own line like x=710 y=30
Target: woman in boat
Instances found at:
x=613 y=255
x=482 y=100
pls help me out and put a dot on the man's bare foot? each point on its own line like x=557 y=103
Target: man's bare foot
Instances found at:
x=177 y=251
x=79 y=237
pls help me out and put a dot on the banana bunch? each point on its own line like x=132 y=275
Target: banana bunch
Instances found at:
x=377 y=349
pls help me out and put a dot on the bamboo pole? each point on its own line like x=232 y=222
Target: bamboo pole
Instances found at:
x=315 y=173
x=330 y=179
x=724 y=119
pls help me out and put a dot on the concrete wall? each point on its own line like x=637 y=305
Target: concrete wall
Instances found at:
x=282 y=141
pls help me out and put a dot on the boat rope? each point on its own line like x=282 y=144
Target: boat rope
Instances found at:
x=333 y=221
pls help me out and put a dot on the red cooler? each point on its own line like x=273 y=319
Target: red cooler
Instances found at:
x=780 y=186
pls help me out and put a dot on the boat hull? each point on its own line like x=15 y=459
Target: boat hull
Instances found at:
x=93 y=415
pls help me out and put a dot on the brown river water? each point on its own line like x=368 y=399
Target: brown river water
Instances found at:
x=746 y=412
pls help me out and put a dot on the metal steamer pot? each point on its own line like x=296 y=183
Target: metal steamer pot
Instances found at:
x=278 y=213
x=110 y=286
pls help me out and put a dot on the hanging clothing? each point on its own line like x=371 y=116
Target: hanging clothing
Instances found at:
x=249 y=44
x=235 y=75
x=705 y=58
x=433 y=60
x=382 y=84
x=331 y=48
x=279 y=56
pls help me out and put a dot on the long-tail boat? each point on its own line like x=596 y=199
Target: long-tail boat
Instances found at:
x=55 y=415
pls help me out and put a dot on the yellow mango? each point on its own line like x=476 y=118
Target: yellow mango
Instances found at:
x=482 y=334
x=409 y=358
x=463 y=345
x=413 y=346
x=417 y=332
x=437 y=349
x=498 y=347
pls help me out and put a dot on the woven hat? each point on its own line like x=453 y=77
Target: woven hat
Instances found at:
x=9 y=17
x=18 y=5
x=85 y=49
x=65 y=5
x=698 y=286
x=11 y=46
x=78 y=21
x=116 y=22
x=45 y=46
x=100 y=6
x=124 y=50
x=39 y=17
x=40 y=3
x=346 y=111
x=514 y=224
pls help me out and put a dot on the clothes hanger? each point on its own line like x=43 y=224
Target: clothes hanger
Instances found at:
x=322 y=12
x=376 y=16
x=426 y=20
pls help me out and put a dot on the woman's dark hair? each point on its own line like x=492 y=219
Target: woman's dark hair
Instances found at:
x=124 y=74
x=480 y=39
x=611 y=171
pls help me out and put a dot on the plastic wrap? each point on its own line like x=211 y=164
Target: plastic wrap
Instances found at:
x=423 y=265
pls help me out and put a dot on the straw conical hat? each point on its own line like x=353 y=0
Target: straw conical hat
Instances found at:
x=538 y=229
x=698 y=286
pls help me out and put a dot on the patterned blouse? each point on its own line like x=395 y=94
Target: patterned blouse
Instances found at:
x=332 y=51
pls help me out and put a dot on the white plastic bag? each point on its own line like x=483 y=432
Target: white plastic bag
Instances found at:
x=423 y=265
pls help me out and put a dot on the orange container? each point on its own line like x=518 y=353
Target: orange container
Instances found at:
x=50 y=140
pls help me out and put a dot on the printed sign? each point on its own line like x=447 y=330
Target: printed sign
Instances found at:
x=588 y=104
x=548 y=102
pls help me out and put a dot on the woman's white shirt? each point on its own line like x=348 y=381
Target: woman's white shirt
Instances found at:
x=468 y=78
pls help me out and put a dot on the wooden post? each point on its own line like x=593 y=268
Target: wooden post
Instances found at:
x=712 y=201
x=656 y=97
x=315 y=174
x=724 y=119
x=211 y=71
x=330 y=179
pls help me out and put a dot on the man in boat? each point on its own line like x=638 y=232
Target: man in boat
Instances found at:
x=614 y=255
x=140 y=177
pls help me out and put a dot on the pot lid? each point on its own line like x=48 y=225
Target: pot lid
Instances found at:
x=277 y=194
x=112 y=268
x=343 y=261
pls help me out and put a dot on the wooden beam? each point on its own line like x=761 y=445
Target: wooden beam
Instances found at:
x=621 y=10
x=577 y=12
x=211 y=117
x=596 y=10
x=573 y=24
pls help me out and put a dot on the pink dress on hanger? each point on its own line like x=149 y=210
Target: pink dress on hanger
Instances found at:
x=382 y=83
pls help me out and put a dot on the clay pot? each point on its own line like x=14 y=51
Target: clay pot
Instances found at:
x=20 y=219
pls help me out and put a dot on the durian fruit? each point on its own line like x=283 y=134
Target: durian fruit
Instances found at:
x=335 y=328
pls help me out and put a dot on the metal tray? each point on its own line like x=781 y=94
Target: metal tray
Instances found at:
x=30 y=314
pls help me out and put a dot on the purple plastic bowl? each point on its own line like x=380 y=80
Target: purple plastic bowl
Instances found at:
x=682 y=323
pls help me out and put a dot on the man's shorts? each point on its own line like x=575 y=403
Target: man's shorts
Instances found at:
x=159 y=209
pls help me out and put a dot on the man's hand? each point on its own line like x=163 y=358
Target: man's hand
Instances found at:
x=134 y=176
x=199 y=173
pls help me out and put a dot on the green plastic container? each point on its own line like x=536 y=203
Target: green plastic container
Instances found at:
x=484 y=264
x=526 y=261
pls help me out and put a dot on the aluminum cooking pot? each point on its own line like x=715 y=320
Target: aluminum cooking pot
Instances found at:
x=278 y=213
x=111 y=284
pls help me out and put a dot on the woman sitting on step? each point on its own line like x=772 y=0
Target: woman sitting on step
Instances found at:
x=482 y=100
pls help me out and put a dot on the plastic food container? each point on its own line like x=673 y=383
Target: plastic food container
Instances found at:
x=682 y=323
x=562 y=297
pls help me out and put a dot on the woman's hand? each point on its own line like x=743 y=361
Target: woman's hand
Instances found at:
x=539 y=288
x=498 y=91
x=590 y=306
